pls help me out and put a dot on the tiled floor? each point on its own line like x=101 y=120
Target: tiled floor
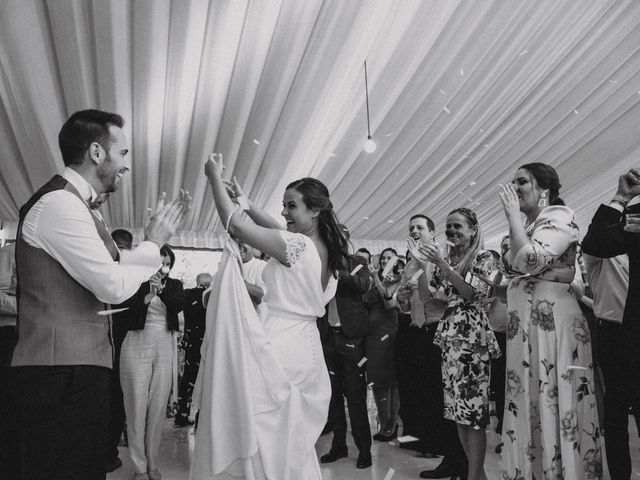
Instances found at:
x=177 y=445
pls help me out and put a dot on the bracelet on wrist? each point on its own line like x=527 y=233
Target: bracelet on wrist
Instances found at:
x=620 y=199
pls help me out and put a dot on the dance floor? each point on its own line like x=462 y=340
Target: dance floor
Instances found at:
x=389 y=461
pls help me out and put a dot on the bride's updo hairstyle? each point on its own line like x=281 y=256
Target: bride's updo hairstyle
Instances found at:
x=316 y=197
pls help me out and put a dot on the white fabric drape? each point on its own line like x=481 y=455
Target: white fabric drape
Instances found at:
x=461 y=93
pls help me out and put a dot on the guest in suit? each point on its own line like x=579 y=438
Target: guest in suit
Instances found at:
x=124 y=241
x=194 y=310
x=343 y=330
x=148 y=364
x=68 y=271
x=437 y=434
x=609 y=236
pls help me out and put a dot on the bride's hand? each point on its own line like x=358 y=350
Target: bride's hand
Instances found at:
x=214 y=166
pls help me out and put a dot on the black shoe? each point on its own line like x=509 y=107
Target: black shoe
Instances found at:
x=381 y=437
x=444 y=470
x=364 y=459
x=498 y=448
x=182 y=422
x=333 y=455
x=114 y=464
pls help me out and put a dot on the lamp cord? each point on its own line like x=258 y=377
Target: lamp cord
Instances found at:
x=366 y=90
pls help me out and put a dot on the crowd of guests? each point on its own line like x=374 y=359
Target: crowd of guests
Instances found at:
x=434 y=334
x=447 y=329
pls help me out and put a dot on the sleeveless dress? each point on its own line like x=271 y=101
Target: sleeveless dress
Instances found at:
x=550 y=427
x=263 y=387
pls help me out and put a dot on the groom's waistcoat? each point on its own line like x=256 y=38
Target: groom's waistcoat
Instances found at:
x=58 y=321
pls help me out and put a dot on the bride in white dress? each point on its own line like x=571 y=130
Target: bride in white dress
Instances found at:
x=263 y=388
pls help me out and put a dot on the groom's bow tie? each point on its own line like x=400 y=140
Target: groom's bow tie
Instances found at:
x=100 y=199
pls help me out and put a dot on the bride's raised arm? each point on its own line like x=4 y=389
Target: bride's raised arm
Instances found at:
x=255 y=213
x=265 y=234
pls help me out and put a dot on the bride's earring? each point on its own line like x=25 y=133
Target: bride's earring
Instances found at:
x=542 y=202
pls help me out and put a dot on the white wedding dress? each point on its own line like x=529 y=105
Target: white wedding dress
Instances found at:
x=263 y=388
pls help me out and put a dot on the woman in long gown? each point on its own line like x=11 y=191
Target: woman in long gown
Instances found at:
x=266 y=426
x=550 y=427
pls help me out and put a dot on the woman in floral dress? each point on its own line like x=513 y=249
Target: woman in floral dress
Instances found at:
x=550 y=428
x=468 y=344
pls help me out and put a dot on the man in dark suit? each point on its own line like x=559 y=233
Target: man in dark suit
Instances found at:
x=343 y=330
x=610 y=234
x=195 y=310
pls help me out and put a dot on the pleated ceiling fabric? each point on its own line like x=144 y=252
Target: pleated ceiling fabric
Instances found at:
x=461 y=93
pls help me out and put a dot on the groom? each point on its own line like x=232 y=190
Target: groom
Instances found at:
x=69 y=270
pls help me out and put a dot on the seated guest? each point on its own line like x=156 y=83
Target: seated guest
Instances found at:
x=379 y=346
x=148 y=367
x=120 y=321
x=343 y=330
x=194 y=326
x=613 y=234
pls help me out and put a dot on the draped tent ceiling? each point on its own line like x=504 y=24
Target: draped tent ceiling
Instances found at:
x=461 y=93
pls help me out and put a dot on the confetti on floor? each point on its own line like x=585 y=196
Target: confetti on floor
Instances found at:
x=362 y=361
x=389 y=474
x=384 y=338
x=407 y=438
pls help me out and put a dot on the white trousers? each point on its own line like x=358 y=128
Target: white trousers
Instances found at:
x=146 y=373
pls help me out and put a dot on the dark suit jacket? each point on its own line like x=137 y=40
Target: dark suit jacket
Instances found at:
x=354 y=316
x=606 y=238
x=171 y=296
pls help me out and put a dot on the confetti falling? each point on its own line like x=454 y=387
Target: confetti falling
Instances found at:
x=473 y=183
x=257 y=142
x=331 y=372
x=446 y=109
x=366 y=218
x=451 y=244
x=524 y=52
x=384 y=338
x=356 y=270
x=462 y=72
x=389 y=221
x=371 y=384
x=407 y=438
x=576 y=112
x=195 y=302
x=443 y=92
x=362 y=361
x=350 y=345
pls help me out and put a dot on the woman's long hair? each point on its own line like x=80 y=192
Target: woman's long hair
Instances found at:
x=476 y=244
x=388 y=249
x=316 y=197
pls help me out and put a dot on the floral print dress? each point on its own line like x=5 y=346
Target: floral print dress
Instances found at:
x=550 y=427
x=468 y=344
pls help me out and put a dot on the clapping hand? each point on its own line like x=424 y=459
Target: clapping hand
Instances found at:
x=510 y=202
x=432 y=253
x=167 y=218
